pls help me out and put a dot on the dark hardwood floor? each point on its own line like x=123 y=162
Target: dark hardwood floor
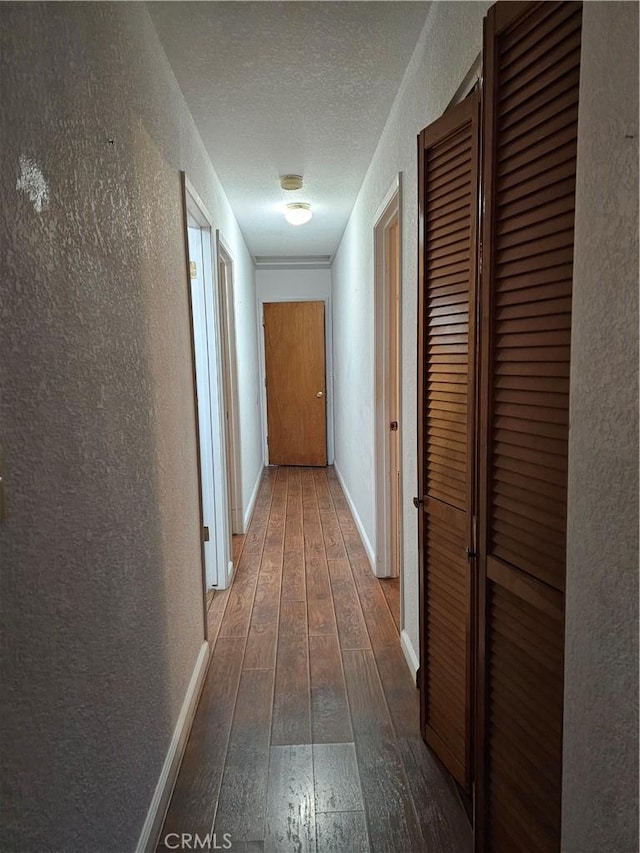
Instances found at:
x=306 y=738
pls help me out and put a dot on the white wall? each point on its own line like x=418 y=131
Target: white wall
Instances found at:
x=101 y=600
x=448 y=45
x=252 y=458
x=296 y=285
x=600 y=791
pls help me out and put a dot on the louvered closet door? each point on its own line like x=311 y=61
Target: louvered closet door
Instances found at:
x=532 y=67
x=448 y=153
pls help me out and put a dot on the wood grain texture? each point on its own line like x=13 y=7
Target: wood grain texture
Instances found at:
x=444 y=827
x=261 y=646
x=330 y=719
x=291 y=702
x=352 y=630
x=391 y=590
x=293 y=575
x=322 y=620
x=342 y=831
x=290 y=824
x=237 y=615
x=336 y=778
x=449 y=162
x=317 y=577
x=195 y=796
x=267 y=598
x=381 y=628
x=333 y=544
x=390 y=812
x=243 y=795
x=401 y=693
x=282 y=679
x=294 y=337
x=530 y=144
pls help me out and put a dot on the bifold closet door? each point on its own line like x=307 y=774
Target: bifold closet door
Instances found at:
x=448 y=189
x=530 y=104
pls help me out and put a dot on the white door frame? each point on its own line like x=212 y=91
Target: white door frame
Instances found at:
x=390 y=208
x=220 y=531
x=230 y=387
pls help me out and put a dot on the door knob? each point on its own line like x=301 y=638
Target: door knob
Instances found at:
x=319 y=394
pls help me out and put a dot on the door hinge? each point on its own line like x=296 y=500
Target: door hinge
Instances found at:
x=205 y=534
x=193 y=269
x=393 y=426
x=417 y=502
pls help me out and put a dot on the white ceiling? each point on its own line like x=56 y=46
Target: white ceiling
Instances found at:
x=293 y=87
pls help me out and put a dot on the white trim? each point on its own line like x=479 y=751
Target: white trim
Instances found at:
x=221 y=515
x=388 y=198
x=409 y=654
x=252 y=501
x=162 y=795
x=230 y=382
x=281 y=262
x=388 y=211
x=354 y=512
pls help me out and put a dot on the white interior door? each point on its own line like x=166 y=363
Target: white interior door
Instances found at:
x=203 y=388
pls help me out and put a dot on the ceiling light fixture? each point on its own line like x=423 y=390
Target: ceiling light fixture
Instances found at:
x=291 y=182
x=298 y=214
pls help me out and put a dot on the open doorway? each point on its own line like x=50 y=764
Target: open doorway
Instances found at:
x=230 y=385
x=387 y=389
x=206 y=338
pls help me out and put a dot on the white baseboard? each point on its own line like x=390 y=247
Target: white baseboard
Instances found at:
x=155 y=816
x=354 y=512
x=252 y=502
x=409 y=654
x=236 y=520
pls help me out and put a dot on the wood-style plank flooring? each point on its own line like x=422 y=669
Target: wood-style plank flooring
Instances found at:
x=306 y=738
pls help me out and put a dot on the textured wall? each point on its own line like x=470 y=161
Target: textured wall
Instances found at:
x=449 y=44
x=101 y=591
x=289 y=285
x=601 y=666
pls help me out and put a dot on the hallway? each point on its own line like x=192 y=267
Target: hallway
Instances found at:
x=307 y=735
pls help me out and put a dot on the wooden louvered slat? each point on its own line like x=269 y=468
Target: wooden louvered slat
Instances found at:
x=525 y=739
x=560 y=30
x=528 y=196
x=555 y=79
x=532 y=75
x=448 y=167
x=530 y=150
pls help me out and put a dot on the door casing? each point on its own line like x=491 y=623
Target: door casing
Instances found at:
x=230 y=384
x=195 y=209
x=388 y=401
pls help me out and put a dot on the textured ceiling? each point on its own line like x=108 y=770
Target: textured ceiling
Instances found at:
x=294 y=87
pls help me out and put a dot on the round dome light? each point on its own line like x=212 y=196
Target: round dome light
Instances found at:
x=298 y=214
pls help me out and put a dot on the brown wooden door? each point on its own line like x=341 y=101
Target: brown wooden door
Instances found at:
x=532 y=67
x=448 y=187
x=294 y=338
